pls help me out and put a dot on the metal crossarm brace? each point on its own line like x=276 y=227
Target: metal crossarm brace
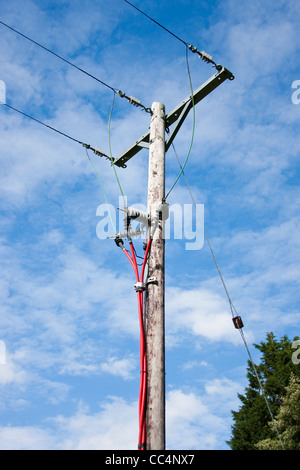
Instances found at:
x=178 y=124
x=177 y=114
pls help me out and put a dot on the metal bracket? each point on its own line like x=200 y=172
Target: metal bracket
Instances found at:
x=180 y=112
x=139 y=286
x=179 y=123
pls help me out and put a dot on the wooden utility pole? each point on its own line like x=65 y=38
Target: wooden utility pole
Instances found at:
x=154 y=139
x=155 y=300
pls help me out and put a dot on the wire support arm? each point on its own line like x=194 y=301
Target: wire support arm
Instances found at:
x=179 y=112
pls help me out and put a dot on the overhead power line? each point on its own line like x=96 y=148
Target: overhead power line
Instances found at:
x=156 y=22
x=87 y=146
x=58 y=56
x=202 y=55
x=130 y=99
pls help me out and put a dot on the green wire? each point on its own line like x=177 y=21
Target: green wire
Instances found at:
x=102 y=186
x=193 y=130
x=113 y=165
x=110 y=152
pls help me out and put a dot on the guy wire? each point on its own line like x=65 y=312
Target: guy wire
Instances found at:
x=232 y=307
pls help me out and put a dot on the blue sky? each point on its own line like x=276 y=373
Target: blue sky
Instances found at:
x=68 y=308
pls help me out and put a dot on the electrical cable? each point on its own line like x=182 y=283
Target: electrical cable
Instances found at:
x=87 y=146
x=75 y=140
x=193 y=128
x=104 y=193
x=143 y=355
x=110 y=151
x=156 y=22
x=143 y=362
x=262 y=390
x=58 y=56
x=131 y=99
x=42 y=123
x=232 y=307
x=202 y=55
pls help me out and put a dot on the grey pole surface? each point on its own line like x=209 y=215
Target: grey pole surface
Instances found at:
x=155 y=300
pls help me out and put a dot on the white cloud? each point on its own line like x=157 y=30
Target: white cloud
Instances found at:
x=119 y=367
x=193 y=364
x=67 y=301
x=199 y=312
x=113 y=427
x=11 y=372
x=195 y=422
x=191 y=424
x=221 y=391
x=25 y=438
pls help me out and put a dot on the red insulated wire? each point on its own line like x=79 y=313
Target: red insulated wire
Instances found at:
x=144 y=366
x=128 y=256
x=143 y=359
x=143 y=356
x=145 y=259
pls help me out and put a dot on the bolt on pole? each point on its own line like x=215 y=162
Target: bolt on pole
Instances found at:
x=155 y=299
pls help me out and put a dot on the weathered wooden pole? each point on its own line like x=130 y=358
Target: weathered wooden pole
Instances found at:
x=155 y=300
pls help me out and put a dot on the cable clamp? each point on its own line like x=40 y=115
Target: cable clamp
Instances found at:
x=96 y=151
x=193 y=48
x=162 y=211
x=139 y=286
x=121 y=93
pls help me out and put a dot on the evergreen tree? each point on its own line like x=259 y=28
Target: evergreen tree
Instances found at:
x=287 y=420
x=274 y=371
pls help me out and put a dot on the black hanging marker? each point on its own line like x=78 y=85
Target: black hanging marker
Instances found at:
x=238 y=322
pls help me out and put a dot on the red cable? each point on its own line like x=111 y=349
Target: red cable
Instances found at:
x=143 y=356
x=144 y=369
x=142 y=395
